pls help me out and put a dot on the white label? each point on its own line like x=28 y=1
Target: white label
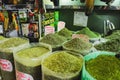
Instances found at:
x=22 y=14
x=6 y=65
x=23 y=76
x=80 y=19
x=1 y=28
x=61 y=25
x=49 y=30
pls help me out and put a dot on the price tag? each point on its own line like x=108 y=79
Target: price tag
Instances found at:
x=23 y=76
x=49 y=30
x=6 y=65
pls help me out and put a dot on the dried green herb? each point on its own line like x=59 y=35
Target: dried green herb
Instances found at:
x=114 y=35
x=12 y=42
x=66 y=33
x=53 y=39
x=111 y=45
x=89 y=33
x=32 y=52
x=77 y=44
x=104 y=67
x=63 y=62
x=2 y=38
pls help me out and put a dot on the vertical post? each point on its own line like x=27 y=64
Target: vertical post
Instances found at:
x=39 y=23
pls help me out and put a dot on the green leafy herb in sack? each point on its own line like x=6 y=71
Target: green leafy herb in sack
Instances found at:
x=32 y=52
x=114 y=35
x=66 y=33
x=63 y=62
x=77 y=45
x=89 y=33
x=2 y=38
x=111 y=45
x=53 y=39
x=12 y=42
x=104 y=67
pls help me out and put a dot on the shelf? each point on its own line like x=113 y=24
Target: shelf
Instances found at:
x=83 y=8
x=17 y=7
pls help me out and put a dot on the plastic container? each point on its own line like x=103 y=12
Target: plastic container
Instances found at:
x=6 y=58
x=49 y=74
x=28 y=61
x=85 y=73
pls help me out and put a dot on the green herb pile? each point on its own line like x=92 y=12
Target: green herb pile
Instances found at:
x=89 y=33
x=77 y=45
x=104 y=67
x=114 y=35
x=63 y=62
x=53 y=39
x=2 y=38
x=12 y=42
x=32 y=52
x=111 y=45
x=66 y=33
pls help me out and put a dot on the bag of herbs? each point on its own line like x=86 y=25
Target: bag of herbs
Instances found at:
x=78 y=45
x=28 y=60
x=54 y=40
x=62 y=65
x=6 y=57
x=101 y=65
x=65 y=33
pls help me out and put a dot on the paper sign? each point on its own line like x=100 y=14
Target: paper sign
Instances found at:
x=80 y=19
x=61 y=25
x=49 y=30
x=1 y=28
x=6 y=65
x=23 y=76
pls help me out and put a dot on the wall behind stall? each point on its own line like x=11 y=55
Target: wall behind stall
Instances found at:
x=95 y=21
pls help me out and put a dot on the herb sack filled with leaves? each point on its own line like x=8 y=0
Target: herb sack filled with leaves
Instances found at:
x=2 y=39
x=65 y=33
x=115 y=35
x=6 y=57
x=78 y=45
x=62 y=65
x=101 y=65
x=112 y=45
x=28 y=60
x=54 y=40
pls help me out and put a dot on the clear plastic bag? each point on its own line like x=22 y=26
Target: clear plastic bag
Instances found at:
x=48 y=74
x=30 y=66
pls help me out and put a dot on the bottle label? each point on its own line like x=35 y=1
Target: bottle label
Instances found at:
x=23 y=76
x=6 y=65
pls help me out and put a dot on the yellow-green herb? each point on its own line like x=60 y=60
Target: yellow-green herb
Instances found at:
x=89 y=33
x=32 y=52
x=63 y=62
x=112 y=45
x=77 y=44
x=12 y=42
x=2 y=38
x=114 y=35
x=66 y=33
x=53 y=39
x=104 y=67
